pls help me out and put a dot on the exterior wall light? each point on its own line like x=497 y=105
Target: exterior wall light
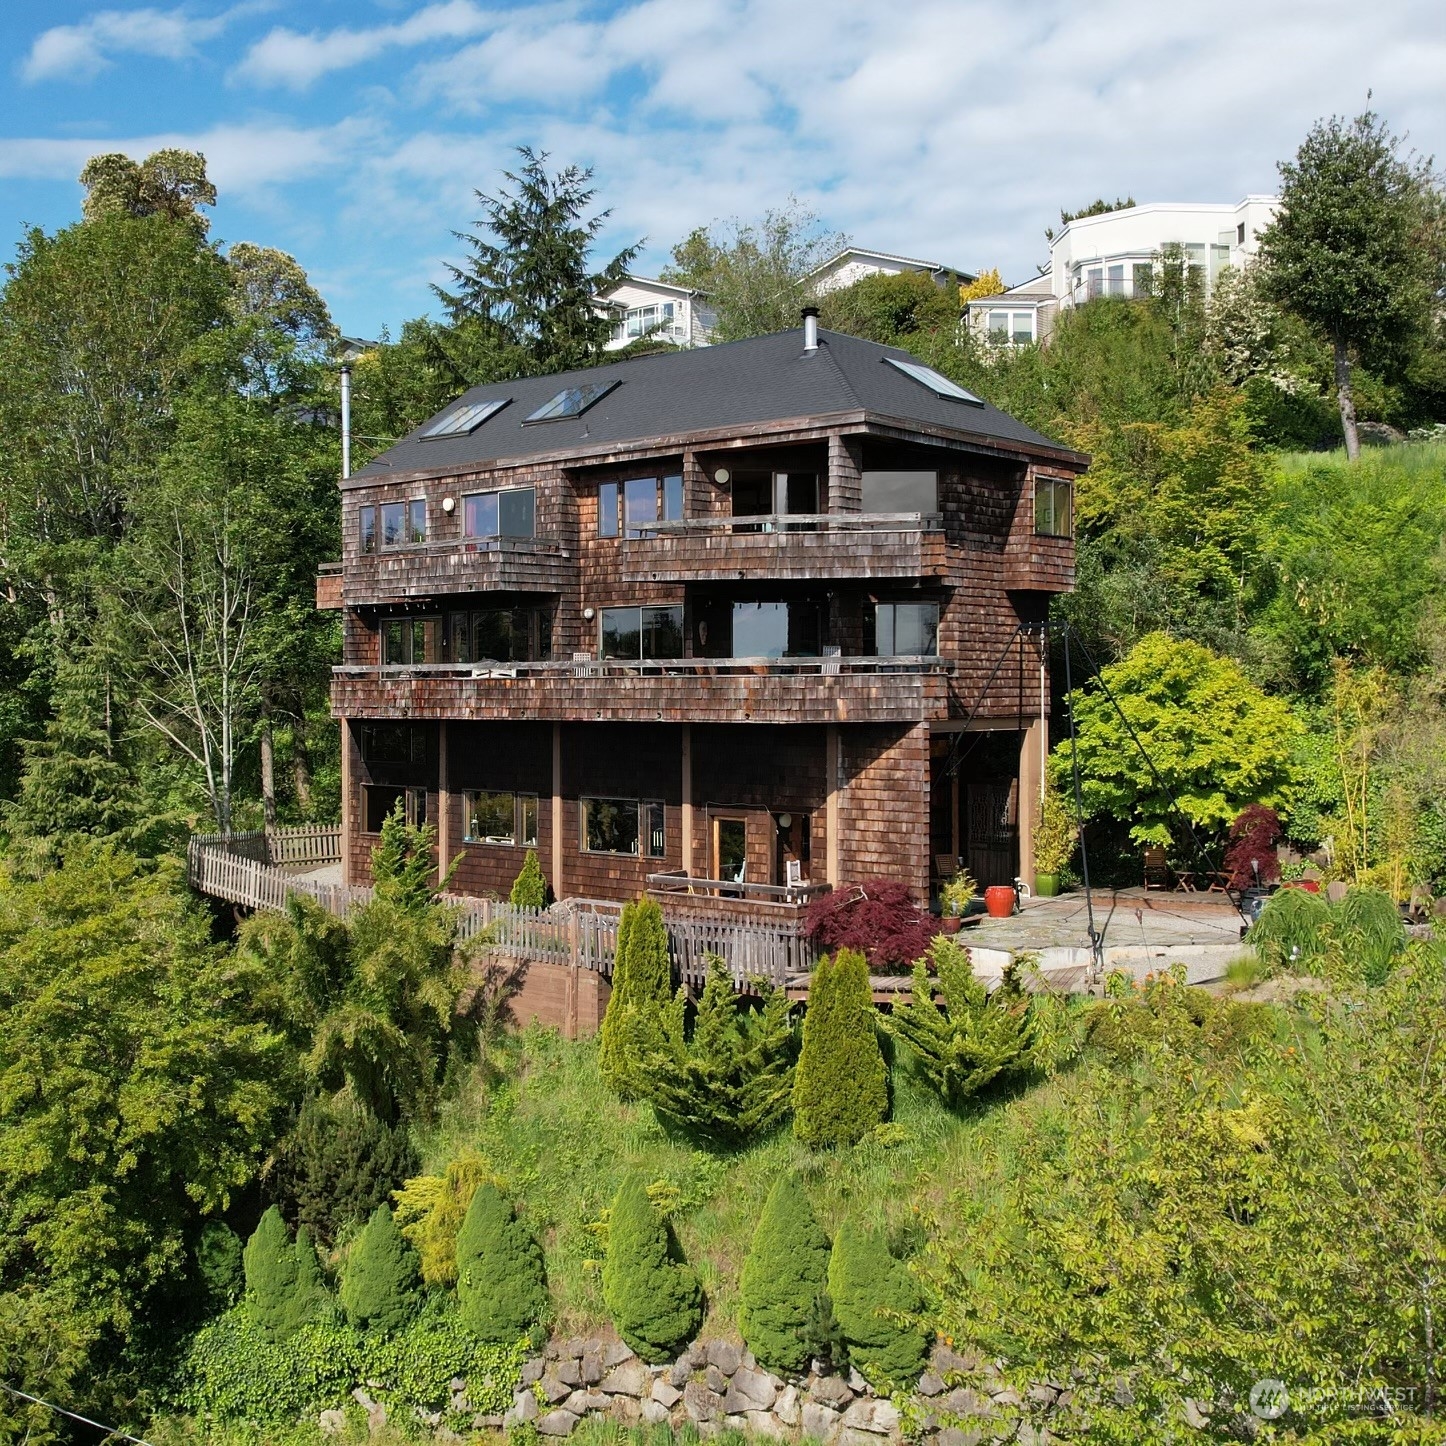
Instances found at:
x=588 y=615
x=449 y=505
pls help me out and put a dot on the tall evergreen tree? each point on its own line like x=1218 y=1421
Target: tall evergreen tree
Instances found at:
x=877 y=1305
x=1355 y=249
x=501 y=1290
x=381 y=1286
x=271 y=1276
x=840 y=1091
x=654 y=1298
x=641 y=987
x=529 y=888
x=784 y=1278
x=529 y=286
x=734 y=1078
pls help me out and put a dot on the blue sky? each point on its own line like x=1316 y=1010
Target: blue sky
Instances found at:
x=352 y=133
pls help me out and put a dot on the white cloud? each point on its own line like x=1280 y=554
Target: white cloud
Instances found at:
x=293 y=60
x=79 y=52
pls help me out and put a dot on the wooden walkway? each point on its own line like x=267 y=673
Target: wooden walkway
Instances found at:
x=261 y=870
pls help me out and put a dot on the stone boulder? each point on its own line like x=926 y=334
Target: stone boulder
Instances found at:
x=700 y=1403
x=830 y=1391
x=818 y=1420
x=556 y=1423
x=725 y=1355
x=749 y=1391
x=630 y=1378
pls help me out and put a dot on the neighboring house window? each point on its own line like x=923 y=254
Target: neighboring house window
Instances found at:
x=642 y=634
x=1053 y=507
x=500 y=635
x=900 y=492
x=379 y=801
x=625 y=509
x=403 y=523
x=393 y=743
x=902 y=630
x=1142 y=282
x=491 y=817
x=658 y=318
x=623 y=826
x=1011 y=326
x=411 y=641
x=508 y=513
x=1115 y=281
x=367 y=522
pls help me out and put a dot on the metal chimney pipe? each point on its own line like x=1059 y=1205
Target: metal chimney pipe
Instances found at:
x=810 y=328
x=345 y=420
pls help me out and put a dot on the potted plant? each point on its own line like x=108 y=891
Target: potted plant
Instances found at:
x=955 y=898
x=1055 y=837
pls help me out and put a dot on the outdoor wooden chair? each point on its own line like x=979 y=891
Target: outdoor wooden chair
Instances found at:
x=1157 y=871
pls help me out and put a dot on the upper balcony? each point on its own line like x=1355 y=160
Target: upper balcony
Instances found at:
x=789 y=546
x=435 y=569
x=681 y=690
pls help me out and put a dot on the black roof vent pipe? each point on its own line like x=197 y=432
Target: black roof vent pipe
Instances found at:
x=810 y=328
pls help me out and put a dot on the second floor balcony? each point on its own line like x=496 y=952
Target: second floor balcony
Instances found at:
x=485 y=564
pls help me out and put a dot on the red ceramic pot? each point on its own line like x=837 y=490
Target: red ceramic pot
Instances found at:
x=999 y=901
x=950 y=923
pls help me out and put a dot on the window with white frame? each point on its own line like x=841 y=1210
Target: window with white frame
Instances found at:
x=658 y=318
x=1053 y=507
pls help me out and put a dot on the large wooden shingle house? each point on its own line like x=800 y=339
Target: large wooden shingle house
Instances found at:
x=764 y=617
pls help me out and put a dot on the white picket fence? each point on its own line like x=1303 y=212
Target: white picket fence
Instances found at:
x=256 y=871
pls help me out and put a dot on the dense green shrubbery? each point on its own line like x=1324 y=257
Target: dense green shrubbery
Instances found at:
x=220 y=1268
x=1134 y=1019
x=878 y=1306
x=783 y=1279
x=733 y=1079
x=529 y=888
x=277 y=1306
x=381 y=1285
x=1362 y=936
x=653 y=1296
x=234 y=1371
x=501 y=1287
x=840 y=1090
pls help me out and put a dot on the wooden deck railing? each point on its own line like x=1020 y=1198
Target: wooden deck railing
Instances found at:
x=258 y=871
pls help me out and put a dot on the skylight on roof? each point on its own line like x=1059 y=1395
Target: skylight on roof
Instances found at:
x=571 y=402
x=941 y=386
x=465 y=419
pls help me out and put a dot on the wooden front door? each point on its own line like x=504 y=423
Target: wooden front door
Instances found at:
x=992 y=832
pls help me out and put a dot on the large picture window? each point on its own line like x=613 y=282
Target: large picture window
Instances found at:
x=902 y=630
x=627 y=508
x=642 y=634
x=500 y=635
x=493 y=817
x=1053 y=507
x=777 y=629
x=393 y=742
x=623 y=826
x=411 y=640
x=402 y=524
x=901 y=492
x=380 y=800
x=508 y=513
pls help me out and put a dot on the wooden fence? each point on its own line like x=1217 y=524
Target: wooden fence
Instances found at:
x=256 y=871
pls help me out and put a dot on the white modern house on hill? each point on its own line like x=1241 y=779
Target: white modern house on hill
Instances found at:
x=1115 y=254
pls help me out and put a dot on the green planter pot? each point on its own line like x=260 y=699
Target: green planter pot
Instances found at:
x=1046 y=886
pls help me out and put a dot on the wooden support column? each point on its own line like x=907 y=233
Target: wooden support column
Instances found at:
x=845 y=475
x=687 y=751
x=444 y=801
x=348 y=810
x=831 y=808
x=557 y=811
x=1033 y=749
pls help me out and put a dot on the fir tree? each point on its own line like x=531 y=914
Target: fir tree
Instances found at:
x=654 y=1298
x=529 y=888
x=269 y=1261
x=840 y=1091
x=219 y=1264
x=381 y=1285
x=734 y=1078
x=501 y=1289
x=312 y=1295
x=641 y=987
x=877 y=1305
x=975 y=1037
x=784 y=1279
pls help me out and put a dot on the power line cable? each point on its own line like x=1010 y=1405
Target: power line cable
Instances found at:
x=1097 y=948
x=110 y=1431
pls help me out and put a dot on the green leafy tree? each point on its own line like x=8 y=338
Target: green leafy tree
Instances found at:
x=733 y=1079
x=641 y=988
x=878 y=1306
x=755 y=275
x=381 y=1285
x=528 y=286
x=652 y=1295
x=501 y=1288
x=1206 y=735
x=976 y=1037
x=169 y=183
x=529 y=888
x=892 y=309
x=784 y=1277
x=139 y=1086
x=840 y=1091
x=1353 y=251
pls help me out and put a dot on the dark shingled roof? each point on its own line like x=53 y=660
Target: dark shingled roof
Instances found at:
x=764 y=379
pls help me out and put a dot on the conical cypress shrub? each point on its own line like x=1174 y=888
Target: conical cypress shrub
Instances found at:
x=312 y=1295
x=840 y=1090
x=641 y=988
x=381 y=1286
x=783 y=1277
x=501 y=1289
x=876 y=1303
x=529 y=888
x=654 y=1299
x=269 y=1261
